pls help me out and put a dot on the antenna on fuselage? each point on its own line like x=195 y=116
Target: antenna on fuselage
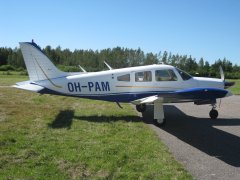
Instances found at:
x=119 y=105
x=109 y=67
x=82 y=68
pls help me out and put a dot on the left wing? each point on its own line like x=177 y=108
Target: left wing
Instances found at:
x=186 y=95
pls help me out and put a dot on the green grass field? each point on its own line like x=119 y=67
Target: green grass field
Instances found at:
x=236 y=88
x=53 y=137
x=8 y=80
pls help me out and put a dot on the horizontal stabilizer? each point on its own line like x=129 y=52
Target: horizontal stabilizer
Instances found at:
x=27 y=85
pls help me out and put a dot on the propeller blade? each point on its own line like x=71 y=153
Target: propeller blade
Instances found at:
x=221 y=73
x=226 y=84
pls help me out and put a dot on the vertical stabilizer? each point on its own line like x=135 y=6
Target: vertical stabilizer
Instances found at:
x=38 y=65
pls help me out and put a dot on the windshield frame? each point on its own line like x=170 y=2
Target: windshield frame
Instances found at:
x=184 y=75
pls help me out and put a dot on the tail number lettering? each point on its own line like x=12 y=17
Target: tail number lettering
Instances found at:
x=98 y=86
x=92 y=86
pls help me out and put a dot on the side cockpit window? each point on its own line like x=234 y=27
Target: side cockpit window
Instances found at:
x=125 y=77
x=185 y=76
x=165 y=75
x=144 y=76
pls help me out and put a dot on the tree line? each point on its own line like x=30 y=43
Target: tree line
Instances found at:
x=118 y=57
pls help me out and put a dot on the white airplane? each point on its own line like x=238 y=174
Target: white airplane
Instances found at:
x=151 y=84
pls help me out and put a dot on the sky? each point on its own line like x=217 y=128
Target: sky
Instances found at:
x=200 y=28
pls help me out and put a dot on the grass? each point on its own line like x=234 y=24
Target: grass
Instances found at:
x=53 y=137
x=236 y=88
x=7 y=80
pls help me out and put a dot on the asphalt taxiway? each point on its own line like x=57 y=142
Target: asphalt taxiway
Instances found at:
x=209 y=149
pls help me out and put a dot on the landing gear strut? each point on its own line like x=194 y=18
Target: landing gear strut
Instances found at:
x=159 y=123
x=159 y=119
x=213 y=113
x=158 y=113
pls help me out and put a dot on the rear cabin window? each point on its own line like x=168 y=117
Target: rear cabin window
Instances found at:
x=165 y=75
x=144 y=76
x=125 y=77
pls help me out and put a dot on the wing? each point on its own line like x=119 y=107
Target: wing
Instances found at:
x=146 y=100
x=196 y=95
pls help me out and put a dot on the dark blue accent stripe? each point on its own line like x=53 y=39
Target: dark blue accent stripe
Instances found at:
x=202 y=93
x=114 y=97
x=188 y=94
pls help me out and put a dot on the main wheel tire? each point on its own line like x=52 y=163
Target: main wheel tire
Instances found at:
x=141 y=107
x=160 y=124
x=213 y=114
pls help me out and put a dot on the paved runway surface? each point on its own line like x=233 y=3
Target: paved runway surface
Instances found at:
x=209 y=149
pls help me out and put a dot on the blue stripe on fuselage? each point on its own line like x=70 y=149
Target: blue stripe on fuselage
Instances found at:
x=187 y=94
x=202 y=93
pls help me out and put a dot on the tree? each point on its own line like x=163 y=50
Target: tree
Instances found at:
x=201 y=63
x=206 y=69
x=119 y=57
x=165 y=57
x=151 y=59
x=4 y=53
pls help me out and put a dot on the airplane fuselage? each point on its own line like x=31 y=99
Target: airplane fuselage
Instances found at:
x=127 y=84
x=141 y=85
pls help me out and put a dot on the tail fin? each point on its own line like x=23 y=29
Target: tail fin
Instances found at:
x=38 y=65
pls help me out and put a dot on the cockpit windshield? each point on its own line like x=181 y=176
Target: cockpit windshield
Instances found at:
x=185 y=76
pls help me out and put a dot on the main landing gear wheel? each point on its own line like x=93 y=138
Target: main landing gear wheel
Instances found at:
x=159 y=123
x=213 y=114
x=141 y=107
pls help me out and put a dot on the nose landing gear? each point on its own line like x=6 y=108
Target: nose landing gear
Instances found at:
x=213 y=113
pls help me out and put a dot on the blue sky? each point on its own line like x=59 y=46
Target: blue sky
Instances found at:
x=201 y=28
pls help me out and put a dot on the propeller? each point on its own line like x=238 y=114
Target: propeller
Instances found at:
x=222 y=73
x=226 y=83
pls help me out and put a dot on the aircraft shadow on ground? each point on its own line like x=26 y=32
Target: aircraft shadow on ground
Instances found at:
x=103 y=118
x=201 y=133
x=63 y=119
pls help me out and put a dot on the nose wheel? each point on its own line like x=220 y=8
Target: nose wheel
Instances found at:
x=213 y=113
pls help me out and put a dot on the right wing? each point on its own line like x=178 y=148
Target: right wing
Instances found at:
x=146 y=100
x=186 y=95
